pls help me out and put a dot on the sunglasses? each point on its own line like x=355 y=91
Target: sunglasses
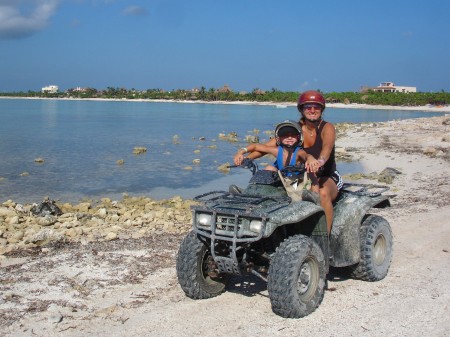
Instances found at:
x=290 y=135
x=310 y=106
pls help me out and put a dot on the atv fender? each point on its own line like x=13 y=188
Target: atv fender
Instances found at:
x=349 y=212
x=298 y=213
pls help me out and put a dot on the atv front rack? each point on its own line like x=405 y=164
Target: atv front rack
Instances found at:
x=368 y=190
x=243 y=204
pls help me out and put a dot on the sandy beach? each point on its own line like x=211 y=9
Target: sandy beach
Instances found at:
x=89 y=275
x=443 y=108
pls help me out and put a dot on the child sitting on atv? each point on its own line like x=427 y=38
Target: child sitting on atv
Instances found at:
x=288 y=151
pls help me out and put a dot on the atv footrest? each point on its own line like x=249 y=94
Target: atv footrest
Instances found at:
x=369 y=190
x=227 y=265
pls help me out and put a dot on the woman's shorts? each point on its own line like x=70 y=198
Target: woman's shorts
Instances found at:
x=336 y=177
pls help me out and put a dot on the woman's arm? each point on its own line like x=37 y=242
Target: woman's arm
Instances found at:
x=328 y=139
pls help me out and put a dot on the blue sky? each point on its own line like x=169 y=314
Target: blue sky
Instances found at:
x=296 y=45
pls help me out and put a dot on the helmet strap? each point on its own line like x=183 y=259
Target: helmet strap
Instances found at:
x=315 y=122
x=289 y=156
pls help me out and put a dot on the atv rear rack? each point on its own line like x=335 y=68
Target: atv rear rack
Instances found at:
x=243 y=204
x=368 y=190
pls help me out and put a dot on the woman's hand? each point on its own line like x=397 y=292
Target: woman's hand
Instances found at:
x=312 y=164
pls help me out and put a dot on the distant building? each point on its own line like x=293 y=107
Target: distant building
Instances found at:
x=51 y=89
x=224 y=89
x=391 y=87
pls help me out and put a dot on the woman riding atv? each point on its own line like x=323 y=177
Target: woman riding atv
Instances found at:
x=319 y=145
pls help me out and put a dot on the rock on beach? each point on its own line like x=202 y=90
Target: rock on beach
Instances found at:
x=104 y=220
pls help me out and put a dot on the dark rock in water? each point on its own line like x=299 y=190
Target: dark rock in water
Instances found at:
x=47 y=207
x=388 y=175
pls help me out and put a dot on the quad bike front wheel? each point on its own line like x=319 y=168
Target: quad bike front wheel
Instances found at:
x=296 y=277
x=376 y=249
x=194 y=273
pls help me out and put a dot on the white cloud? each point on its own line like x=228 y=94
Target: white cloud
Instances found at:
x=305 y=84
x=135 y=10
x=25 y=17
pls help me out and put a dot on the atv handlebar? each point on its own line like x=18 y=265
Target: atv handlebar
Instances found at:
x=293 y=170
x=248 y=164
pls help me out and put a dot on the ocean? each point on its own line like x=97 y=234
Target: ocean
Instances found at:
x=81 y=141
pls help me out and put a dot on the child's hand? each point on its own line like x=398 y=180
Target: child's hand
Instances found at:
x=238 y=158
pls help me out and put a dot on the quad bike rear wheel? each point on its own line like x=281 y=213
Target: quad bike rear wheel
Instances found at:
x=376 y=249
x=296 y=277
x=194 y=272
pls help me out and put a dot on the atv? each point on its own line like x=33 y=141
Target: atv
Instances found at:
x=276 y=229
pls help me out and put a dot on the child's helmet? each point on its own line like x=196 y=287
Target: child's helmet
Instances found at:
x=288 y=126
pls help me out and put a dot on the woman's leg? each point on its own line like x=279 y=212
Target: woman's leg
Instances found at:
x=328 y=193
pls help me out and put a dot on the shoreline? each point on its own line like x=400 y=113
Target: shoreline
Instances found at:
x=109 y=268
x=426 y=108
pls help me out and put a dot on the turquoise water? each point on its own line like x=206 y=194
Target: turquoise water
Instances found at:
x=81 y=141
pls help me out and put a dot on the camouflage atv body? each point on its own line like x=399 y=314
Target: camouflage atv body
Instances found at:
x=265 y=232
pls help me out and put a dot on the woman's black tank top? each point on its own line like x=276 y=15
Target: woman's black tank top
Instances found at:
x=330 y=165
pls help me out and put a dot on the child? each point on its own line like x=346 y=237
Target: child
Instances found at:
x=288 y=151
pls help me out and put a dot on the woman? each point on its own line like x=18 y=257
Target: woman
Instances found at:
x=319 y=143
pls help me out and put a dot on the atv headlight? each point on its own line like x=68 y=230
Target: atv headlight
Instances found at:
x=256 y=226
x=204 y=219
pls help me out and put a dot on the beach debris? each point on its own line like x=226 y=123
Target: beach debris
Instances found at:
x=231 y=137
x=430 y=151
x=46 y=207
x=176 y=139
x=24 y=174
x=196 y=161
x=252 y=139
x=224 y=168
x=342 y=154
x=388 y=174
x=202 y=138
x=212 y=146
x=39 y=160
x=196 y=151
x=139 y=150
x=120 y=162
x=188 y=168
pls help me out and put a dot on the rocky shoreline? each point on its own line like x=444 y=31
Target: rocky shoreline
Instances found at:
x=106 y=220
x=137 y=217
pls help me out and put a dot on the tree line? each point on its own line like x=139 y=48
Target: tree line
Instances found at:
x=256 y=95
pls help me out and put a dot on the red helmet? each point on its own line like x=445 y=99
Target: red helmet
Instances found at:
x=310 y=96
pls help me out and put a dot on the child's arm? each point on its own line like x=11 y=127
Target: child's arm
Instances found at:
x=264 y=149
x=308 y=159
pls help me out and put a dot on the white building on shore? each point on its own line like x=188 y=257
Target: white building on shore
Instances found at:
x=391 y=87
x=50 y=89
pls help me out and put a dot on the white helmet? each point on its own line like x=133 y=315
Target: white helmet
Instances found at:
x=288 y=126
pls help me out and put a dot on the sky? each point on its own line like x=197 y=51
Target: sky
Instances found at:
x=296 y=45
